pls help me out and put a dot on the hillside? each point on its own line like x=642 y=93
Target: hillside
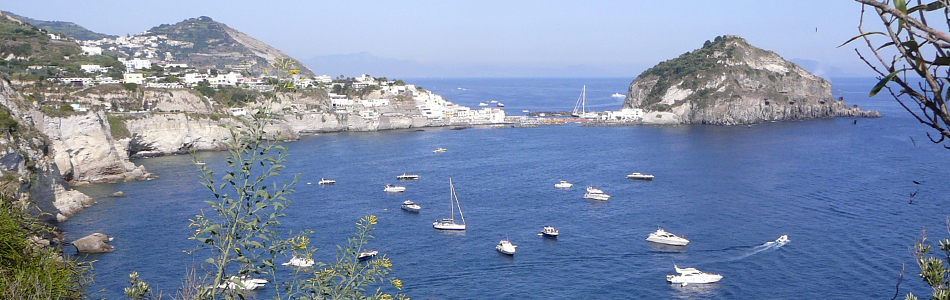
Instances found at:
x=206 y=44
x=729 y=82
x=69 y=29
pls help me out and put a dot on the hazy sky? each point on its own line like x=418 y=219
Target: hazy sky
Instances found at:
x=505 y=38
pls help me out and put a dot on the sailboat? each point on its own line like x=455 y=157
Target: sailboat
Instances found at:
x=449 y=223
x=582 y=105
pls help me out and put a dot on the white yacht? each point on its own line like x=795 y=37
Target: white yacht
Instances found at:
x=506 y=247
x=394 y=188
x=691 y=275
x=367 y=254
x=325 y=181
x=300 y=262
x=493 y=101
x=410 y=206
x=782 y=239
x=563 y=184
x=406 y=176
x=449 y=223
x=593 y=190
x=439 y=150
x=597 y=196
x=482 y=104
x=549 y=231
x=500 y=104
x=641 y=176
x=243 y=283
x=618 y=95
x=524 y=110
x=663 y=237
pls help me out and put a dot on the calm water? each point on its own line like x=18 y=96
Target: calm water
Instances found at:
x=838 y=190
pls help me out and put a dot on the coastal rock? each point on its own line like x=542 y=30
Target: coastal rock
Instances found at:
x=85 y=150
x=94 y=243
x=175 y=133
x=117 y=194
x=729 y=82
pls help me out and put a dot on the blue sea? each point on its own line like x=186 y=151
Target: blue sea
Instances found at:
x=839 y=190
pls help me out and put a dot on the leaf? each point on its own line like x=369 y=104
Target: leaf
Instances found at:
x=860 y=36
x=880 y=85
x=885 y=45
x=942 y=61
x=932 y=6
x=911 y=46
x=209 y=260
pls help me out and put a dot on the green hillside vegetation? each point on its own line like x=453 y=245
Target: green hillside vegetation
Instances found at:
x=692 y=69
x=68 y=29
x=202 y=31
x=29 y=45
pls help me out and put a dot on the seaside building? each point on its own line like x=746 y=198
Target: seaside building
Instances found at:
x=136 y=78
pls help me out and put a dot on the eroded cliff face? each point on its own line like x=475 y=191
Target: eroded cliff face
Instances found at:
x=729 y=82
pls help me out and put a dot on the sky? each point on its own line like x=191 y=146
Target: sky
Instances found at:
x=490 y=38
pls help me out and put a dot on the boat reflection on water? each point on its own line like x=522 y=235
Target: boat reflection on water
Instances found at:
x=666 y=248
x=694 y=291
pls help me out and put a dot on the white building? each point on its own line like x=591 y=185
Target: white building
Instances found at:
x=339 y=100
x=91 y=50
x=136 y=64
x=165 y=85
x=626 y=114
x=136 y=78
x=91 y=68
x=374 y=102
x=194 y=78
x=323 y=79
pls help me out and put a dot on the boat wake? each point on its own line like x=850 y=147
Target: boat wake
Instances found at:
x=768 y=246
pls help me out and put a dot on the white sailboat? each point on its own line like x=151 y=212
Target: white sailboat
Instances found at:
x=449 y=223
x=582 y=105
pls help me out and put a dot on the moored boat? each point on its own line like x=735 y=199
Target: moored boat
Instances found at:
x=549 y=231
x=482 y=104
x=439 y=150
x=394 y=188
x=506 y=247
x=691 y=275
x=660 y=236
x=324 y=181
x=449 y=223
x=640 y=176
x=243 y=283
x=563 y=184
x=410 y=206
x=367 y=254
x=597 y=196
x=593 y=190
x=300 y=262
x=407 y=176
x=618 y=95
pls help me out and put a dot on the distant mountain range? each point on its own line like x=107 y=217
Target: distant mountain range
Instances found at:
x=70 y=29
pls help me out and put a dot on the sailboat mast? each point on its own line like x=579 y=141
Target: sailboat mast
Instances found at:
x=584 y=103
x=459 y=205
x=451 y=197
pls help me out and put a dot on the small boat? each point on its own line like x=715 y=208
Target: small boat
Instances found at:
x=449 y=223
x=199 y=163
x=618 y=95
x=640 y=176
x=783 y=239
x=663 y=237
x=549 y=231
x=563 y=184
x=524 y=111
x=299 y=262
x=482 y=104
x=367 y=254
x=406 y=176
x=691 y=275
x=324 y=181
x=506 y=247
x=597 y=196
x=493 y=101
x=593 y=190
x=410 y=206
x=501 y=104
x=394 y=188
x=439 y=150
x=243 y=283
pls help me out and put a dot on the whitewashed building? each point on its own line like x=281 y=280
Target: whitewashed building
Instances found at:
x=136 y=78
x=91 y=68
x=90 y=51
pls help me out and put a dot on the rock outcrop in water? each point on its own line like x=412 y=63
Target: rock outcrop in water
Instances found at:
x=729 y=82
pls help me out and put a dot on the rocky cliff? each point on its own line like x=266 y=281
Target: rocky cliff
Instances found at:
x=729 y=82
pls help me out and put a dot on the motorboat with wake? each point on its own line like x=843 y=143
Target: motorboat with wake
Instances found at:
x=394 y=188
x=549 y=231
x=407 y=176
x=691 y=275
x=783 y=239
x=439 y=150
x=410 y=206
x=324 y=181
x=449 y=223
x=640 y=176
x=563 y=184
x=243 y=283
x=663 y=237
x=506 y=247
x=300 y=262
x=367 y=254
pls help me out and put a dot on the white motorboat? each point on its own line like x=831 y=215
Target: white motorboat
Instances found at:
x=506 y=247
x=439 y=150
x=199 y=163
x=325 y=181
x=641 y=176
x=782 y=239
x=597 y=196
x=549 y=231
x=563 y=184
x=482 y=104
x=691 y=275
x=300 y=262
x=243 y=283
x=524 y=110
x=618 y=95
x=501 y=104
x=593 y=190
x=406 y=176
x=410 y=206
x=493 y=101
x=394 y=188
x=449 y=223
x=663 y=237
x=367 y=254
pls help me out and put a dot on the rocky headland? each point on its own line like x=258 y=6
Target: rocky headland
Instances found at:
x=729 y=82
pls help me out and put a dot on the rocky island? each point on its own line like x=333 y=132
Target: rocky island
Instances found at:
x=730 y=82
